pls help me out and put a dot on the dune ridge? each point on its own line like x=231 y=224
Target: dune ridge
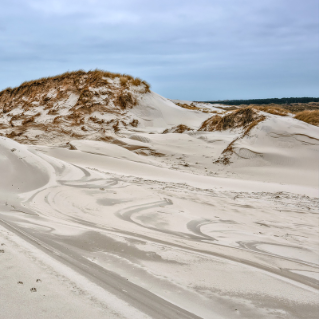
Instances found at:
x=127 y=209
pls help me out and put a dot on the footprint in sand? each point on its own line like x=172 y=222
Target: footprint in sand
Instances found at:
x=20 y=282
x=33 y=289
x=38 y=280
x=2 y=251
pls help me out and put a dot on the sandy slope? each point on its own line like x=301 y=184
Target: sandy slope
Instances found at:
x=156 y=112
x=34 y=285
x=169 y=239
x=145 y=224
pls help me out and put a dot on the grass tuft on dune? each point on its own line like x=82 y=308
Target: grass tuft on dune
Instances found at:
x=310 y=117
x=236 y=119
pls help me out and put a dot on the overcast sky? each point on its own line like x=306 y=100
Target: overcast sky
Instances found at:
x=186 y=49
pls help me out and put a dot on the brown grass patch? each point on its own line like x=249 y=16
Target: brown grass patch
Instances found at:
x=178 y=129
x=187 y=106
x=94 y=90
x=238 y=118
x=272 y=109
x=290 y=107
x=147 y=86
x=194 y=107
x=246 y=118
x=126 y=100
x=134 y=123
x=53 y=112
x=57 y=119
x=30 y=119
x=69 y=81
x=310 y=117
x=211 y=123
x=124 y=81
x=15 y=118
x=136 y=82
x=14 y=134
x=96 y=120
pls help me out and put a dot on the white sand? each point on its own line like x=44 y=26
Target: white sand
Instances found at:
x=113 y=233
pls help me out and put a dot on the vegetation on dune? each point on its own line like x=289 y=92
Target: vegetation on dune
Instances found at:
x=75 y=80
x=285 y=100
x=235 y=119
x=272 y=109
x=246 y=118
x=125 y=100
x=68 y=100
x=187 y=106
x=310 y=117
x=274 y=106
x=178 y=129
x=281 y=109
x=194 y=107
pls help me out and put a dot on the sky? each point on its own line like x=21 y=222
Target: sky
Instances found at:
x=191 y=50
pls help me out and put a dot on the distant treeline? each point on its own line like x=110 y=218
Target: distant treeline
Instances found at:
x=284 y=100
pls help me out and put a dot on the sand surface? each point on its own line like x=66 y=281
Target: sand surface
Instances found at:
x=148 y=226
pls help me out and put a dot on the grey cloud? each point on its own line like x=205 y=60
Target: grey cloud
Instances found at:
x=207 y=49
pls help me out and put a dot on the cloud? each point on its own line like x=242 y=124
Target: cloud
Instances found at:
x=185 y=48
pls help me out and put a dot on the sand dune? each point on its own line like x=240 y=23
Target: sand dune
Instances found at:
x=142 y=224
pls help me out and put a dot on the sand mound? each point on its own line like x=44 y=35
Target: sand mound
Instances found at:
x=86 y=105
x=21 y=170
x=241 y=118
x=74 y=104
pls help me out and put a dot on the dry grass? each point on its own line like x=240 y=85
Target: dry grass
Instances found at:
x=278 y=108
x=237 y=118
x=272 y=109
x=85 y=96
x=124 y=81
x=178 y=129
x=134 y=123
x=96 y=120
x=53 y=112
x=57 y=119
x=15 y=118
x=181 y=129
x=194 y=107
x=30 y=119
x=299 y=107
x=147 y=87
x=126 y=100
x=211 y=123
x=69 y=80
x=310 y=117
x=136 y=82
x=187 y=106
x=95 y=92
x=246 y=118
x=80 y=83
x=14 y=134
